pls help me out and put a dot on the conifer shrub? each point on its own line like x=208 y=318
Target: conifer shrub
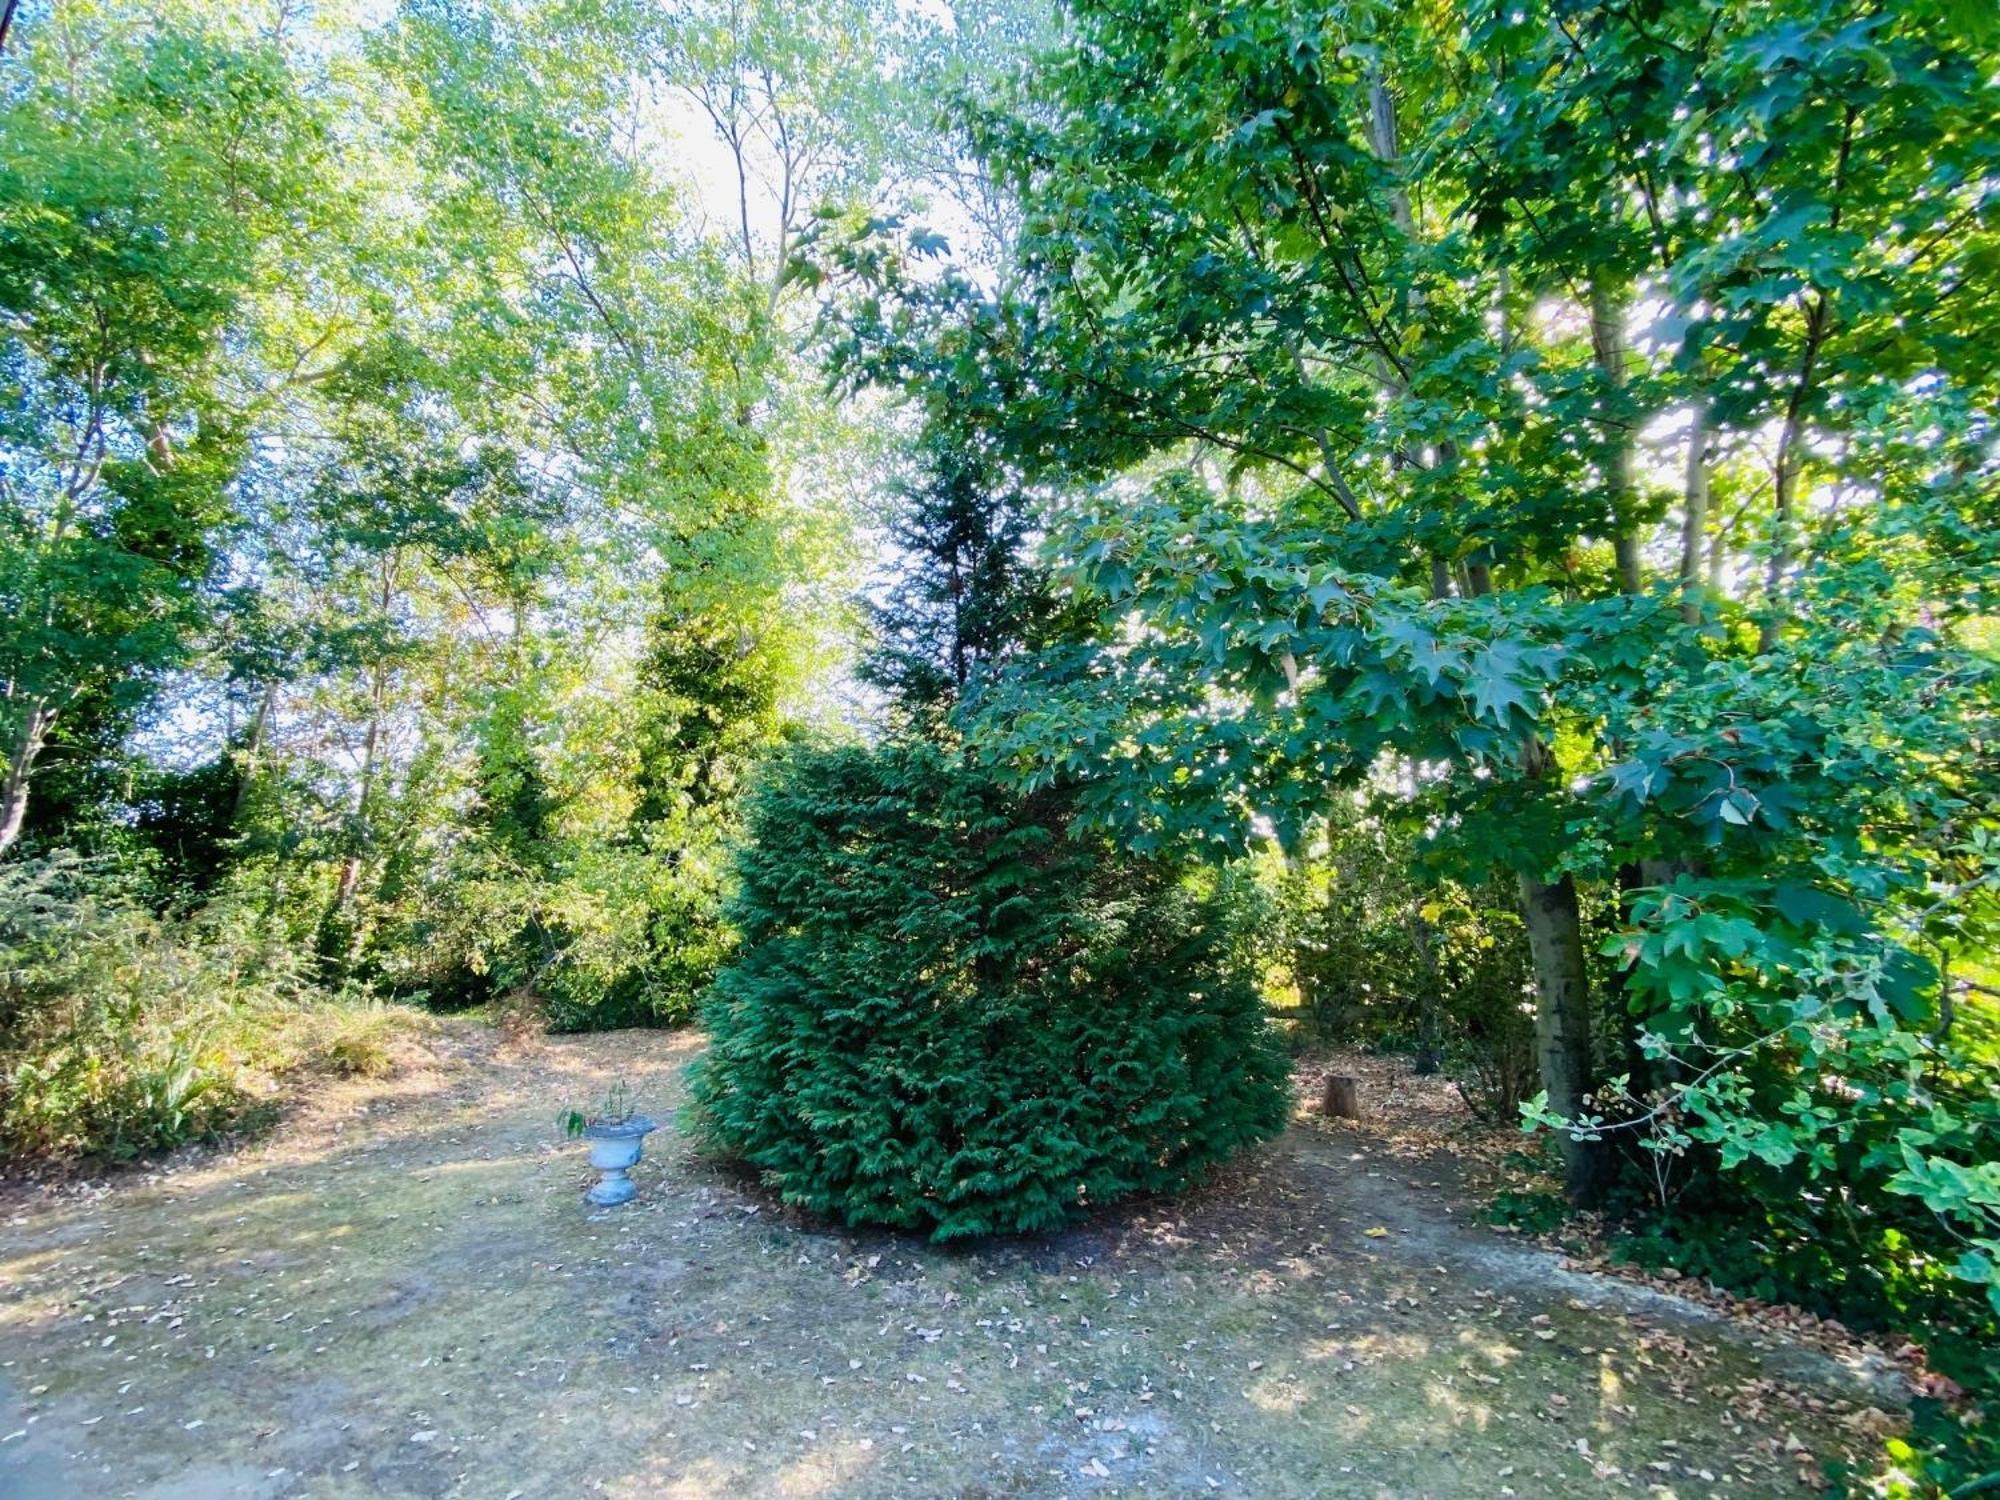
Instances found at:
x=948 y=1014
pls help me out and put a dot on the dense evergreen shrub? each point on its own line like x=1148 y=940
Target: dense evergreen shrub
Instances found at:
x=949 y=1015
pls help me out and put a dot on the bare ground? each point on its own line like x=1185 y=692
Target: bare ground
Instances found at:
x=400 y=1293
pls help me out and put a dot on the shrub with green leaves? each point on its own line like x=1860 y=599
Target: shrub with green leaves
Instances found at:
x=122 y=1033
x=948 y=1014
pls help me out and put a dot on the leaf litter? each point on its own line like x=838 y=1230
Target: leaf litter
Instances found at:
x=400 y=1293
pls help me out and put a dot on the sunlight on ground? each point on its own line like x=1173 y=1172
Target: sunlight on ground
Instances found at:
x=417 y=1303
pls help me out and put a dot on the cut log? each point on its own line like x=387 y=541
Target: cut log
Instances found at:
x=1343 y=1097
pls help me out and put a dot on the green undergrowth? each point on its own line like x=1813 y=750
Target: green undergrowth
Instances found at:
x=124 y=1032
x=1881 y=1286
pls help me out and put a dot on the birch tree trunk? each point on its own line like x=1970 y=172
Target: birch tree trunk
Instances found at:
x=357 y=838
x=20 y=766
x=253 y=752
x=371 y=756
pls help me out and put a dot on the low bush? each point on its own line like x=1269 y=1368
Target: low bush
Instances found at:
x=360 y=1045
x=948 y=1014
x=123 y=1033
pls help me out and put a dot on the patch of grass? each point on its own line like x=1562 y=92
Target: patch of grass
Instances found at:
x=423 y=1297
x=359 y=1044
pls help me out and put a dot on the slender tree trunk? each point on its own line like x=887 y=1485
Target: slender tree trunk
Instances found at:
x=1718 y=553
x=1554 y=922
x=1608 y=312
x=1785 y=484
x=1694 y=516
x=1607 y=341
x=357 y=838
x=253 y=753
x=960 y=669
x=1383 y=139
x=1430 y=1030
x=1549 y=910
x=1785 y=476
x=371 y=749
x=274 y=898
x=20 y=766
x=1383 y=136
x=1784 y=526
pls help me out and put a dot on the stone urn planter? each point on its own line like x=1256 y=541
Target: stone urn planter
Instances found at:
x=615 y=1147
x=617 y=1135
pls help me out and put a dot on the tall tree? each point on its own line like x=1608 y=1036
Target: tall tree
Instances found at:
x=1388 y=270
x=152 y=177
x=966 y=597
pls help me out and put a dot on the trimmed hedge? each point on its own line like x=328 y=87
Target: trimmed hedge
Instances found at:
x=946 y=1014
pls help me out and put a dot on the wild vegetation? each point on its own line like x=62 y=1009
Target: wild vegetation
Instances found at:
x=1556 y=446
x=406 y=554
x=992 y=553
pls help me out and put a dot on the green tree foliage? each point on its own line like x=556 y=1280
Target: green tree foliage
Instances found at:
x=1581 y=415
x=949 y=1016
x=968 y=597
x=419 y=520
x=404 y=552
x=142 y=197
x=1550 y=445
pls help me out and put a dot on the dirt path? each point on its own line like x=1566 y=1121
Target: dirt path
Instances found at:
x=402 y=1294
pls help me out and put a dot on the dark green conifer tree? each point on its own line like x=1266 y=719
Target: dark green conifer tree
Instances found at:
x=953 y=1010
x=967 y=596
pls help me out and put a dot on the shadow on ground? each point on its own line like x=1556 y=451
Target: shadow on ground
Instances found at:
x=402 y=1294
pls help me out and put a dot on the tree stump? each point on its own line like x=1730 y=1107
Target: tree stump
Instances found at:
x=1342 y=1100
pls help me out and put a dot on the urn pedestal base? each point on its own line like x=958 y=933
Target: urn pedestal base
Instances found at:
x=614 y=1151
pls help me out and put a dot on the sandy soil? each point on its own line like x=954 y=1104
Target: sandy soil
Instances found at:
x=401 y=1293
